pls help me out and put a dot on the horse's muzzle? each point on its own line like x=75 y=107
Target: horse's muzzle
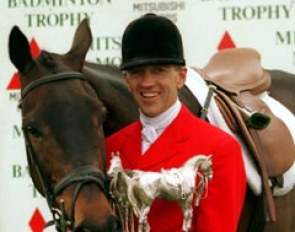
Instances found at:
x=112 y=225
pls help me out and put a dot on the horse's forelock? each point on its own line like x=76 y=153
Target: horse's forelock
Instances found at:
x=46 y=60
x=54 y=63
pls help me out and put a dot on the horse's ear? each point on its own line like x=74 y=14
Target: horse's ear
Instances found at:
x=19 y=49
x=81 y=44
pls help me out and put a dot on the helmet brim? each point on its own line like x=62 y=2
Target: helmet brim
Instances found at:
x=150 y=61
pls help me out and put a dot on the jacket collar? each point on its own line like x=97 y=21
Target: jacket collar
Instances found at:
x=166 y=147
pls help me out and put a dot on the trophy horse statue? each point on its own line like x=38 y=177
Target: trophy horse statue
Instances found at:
x=134 y=191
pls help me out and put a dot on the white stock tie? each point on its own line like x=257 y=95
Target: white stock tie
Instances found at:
x=149 y=134
x=152 y=128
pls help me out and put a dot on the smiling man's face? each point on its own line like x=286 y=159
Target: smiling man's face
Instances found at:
x=155 y=87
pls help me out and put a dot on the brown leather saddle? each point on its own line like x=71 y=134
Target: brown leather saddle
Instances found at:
x=239 y=77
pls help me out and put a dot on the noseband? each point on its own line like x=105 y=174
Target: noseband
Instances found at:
x=81 y=175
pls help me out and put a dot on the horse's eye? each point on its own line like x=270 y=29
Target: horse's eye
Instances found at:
x=32 y=131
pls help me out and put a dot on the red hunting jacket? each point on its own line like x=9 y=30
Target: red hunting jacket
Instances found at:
x=185 y=137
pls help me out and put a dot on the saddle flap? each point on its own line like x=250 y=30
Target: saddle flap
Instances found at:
x=275 y=140
x=236 y=70
x=255 y=151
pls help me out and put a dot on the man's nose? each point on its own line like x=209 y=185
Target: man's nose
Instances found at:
x=147 y=79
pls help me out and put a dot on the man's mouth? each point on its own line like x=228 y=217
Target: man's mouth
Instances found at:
x=149 y=94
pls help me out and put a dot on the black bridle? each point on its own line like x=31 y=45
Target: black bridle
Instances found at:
x=81 y=175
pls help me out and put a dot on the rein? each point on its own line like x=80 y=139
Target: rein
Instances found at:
x=81 y=175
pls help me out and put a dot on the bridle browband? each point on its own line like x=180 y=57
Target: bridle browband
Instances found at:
x=48 y=79
x=81 y=175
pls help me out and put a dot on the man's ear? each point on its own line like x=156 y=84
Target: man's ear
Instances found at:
x=182 y=77
x=126 y=78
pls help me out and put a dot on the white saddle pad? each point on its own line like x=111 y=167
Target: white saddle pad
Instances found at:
x=200 y=90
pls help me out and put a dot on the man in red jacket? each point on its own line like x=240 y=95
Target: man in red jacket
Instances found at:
x=167 y=134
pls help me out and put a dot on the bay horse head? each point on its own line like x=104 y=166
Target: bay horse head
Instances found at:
x=62 y=125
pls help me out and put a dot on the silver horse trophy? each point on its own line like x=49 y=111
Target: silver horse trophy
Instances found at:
x=134 y=191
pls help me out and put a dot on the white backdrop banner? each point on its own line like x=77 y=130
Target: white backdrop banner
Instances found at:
x=206 y=25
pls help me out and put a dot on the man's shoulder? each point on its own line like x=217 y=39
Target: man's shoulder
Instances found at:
x=191 y=121
x=195 y=125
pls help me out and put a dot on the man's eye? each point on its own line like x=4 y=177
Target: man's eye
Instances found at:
x=159 y=70
x=134 y=71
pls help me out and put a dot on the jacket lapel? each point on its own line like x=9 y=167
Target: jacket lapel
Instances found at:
x=166 y=148
x=131 y=146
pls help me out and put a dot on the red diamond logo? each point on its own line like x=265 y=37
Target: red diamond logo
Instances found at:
x=14 y=83
x=226 y=42
x=37 y=221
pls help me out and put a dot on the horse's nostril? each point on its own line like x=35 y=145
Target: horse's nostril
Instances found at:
x=86 y=227
x=81 y=229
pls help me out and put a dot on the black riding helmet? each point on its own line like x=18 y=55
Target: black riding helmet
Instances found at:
x=151 y=39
